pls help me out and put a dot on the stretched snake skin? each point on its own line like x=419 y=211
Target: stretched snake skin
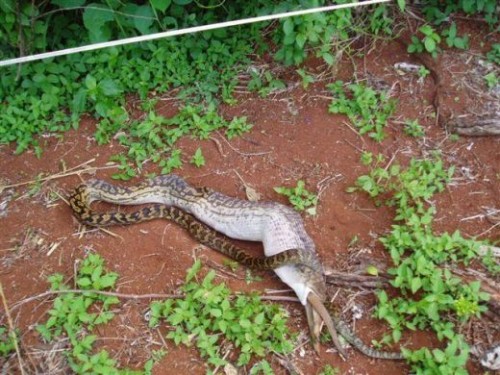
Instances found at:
x=289 y=251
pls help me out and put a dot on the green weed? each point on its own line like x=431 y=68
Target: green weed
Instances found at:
x=153 y=139
x=432 y=296
x=48 y=97
x=207 y=315
x=261 y=367
x=236 y=127
x=491 y=263
x=453 y=40
x=73 y=315
x=429 y=43
x=413 y=128
x=315 y=29
x=300 y=198
x=251 y=278
x=307 y=79
x=433 y=37
x=439 y=11
x=329 y=370
x=296 y=36
x=491 y=80
x=7 y=345
x=264 y=83
x=367 y=109
x=450 y=361
x=198 y=159
x=494 y=54
x=423 y=72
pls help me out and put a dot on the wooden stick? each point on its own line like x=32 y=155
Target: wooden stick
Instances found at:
x=12 y=329
x=101 y=292
x=61 y=174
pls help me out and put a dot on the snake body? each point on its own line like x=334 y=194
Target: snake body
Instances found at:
x=289 y=250
x=81 y=198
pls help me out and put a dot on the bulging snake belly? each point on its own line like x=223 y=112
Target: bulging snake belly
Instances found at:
x=289 y=251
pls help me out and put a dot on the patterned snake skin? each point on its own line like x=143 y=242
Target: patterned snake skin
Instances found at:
x=289 y=250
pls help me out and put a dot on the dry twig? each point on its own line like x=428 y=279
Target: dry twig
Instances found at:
x=101 y=292
x=69 y=172
x=12 y=330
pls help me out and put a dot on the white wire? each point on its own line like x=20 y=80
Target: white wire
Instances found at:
x=196 y=29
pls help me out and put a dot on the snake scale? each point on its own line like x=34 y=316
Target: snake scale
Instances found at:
x=289 y=251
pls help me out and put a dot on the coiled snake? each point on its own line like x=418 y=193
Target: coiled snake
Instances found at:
x=289 y=250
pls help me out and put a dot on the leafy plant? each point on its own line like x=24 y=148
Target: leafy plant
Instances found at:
x=263 y=367
x=367 y=109
x=380 y=20
x=41 y=93
x=423 y=72
x=306 y=78
x=329 y=370
x=438 y=11
x=300 y=198
x=264 y=83
x=236 y=127
x=48 y=97
x=450 y=361
x=153 y=139
x=432 y=296
x=491 y=80
x=452 y=40
x=198 y=159
x=75 y=307
x=7 y=345
x=494 y=54
x=413 y=128
x=317 y=30
x=72 y=316
x=208 y=315
x=297 y=36
x=429 y=43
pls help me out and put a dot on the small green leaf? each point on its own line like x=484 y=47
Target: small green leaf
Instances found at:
x=198 y=159
x=328 y=57
x=161 y=5
x=300 y=39
x=216 y=313
x=79 y=101
x=372 y=270
x=144 y=18
x=95 y=18
x=439 y=355
x=416 y=284
x=430 y=44
x=193 y=271
x=84 y=282
x=426 y=30
x=401 y=5
x=288 y=26
x=110 y=87
x=90 y=82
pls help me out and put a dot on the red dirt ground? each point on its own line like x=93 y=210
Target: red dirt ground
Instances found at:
x=294 y=137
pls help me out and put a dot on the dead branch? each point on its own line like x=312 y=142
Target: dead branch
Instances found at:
x=343 y=279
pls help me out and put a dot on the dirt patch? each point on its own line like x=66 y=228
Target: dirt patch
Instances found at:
x=294 y=137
